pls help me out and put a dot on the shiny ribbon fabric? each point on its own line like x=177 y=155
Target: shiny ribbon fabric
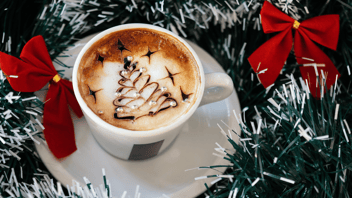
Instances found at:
x=33 y=72
x=268 y=60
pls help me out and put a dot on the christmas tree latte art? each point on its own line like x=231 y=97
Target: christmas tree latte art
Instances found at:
x=139 y=79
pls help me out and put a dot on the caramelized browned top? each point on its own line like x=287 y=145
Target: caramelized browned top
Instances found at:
x=138 y=79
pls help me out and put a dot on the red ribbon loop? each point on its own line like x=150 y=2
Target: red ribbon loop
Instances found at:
x=33 y=72
x=268 y=60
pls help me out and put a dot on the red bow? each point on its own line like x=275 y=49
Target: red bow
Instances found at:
x=33 y=72
x=268 y=60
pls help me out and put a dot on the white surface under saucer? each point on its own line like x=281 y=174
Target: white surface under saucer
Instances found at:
x=164 y=174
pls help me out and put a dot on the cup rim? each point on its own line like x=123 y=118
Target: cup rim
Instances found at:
x=133 y=133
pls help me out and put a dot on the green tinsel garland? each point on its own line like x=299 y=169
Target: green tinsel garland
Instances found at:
x=273 y=160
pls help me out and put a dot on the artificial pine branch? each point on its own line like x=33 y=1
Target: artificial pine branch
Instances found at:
x=230 y=38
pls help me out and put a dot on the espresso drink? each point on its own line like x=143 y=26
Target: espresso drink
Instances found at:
x=139 y=79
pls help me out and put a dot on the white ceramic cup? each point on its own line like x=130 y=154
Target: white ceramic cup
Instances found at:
x=137 y=145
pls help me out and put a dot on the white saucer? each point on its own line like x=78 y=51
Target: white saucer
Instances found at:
x=164 y=174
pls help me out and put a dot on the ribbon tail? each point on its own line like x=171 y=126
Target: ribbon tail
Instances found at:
x=59 y=130
x=317 y=69
x=71 y=99
x=268 y=60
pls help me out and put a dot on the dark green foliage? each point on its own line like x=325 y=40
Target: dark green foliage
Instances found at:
x=315 y=166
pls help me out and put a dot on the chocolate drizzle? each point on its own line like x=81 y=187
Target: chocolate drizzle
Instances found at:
x=93 y=93
x=166 y=104
x=137 y=92
x=170 y=75
x=149 y=53
x=185 y=97
x=121 y=46
x=100 y=58
x=123 y=118
x=127 y=63
x=134 y=65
